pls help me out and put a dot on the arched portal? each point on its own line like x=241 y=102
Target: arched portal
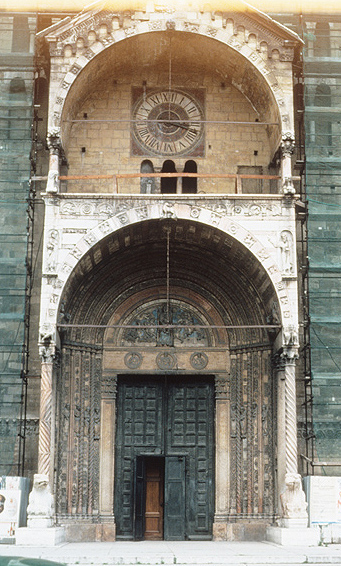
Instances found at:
x=166 y=368
x=151 y=294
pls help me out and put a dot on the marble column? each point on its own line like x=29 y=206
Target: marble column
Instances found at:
x=107 y=455
x=287 y=147
x=292 y=503
x=54 y=145
x=222 y=455
x=45 y=456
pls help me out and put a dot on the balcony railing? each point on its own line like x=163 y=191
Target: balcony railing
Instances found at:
x=159 y=183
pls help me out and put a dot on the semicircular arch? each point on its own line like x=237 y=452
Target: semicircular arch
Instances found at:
x=233 y=268
x=236 y=63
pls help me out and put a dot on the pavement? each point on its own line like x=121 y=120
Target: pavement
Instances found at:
x=179 y=553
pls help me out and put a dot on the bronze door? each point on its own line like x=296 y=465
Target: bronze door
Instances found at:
x=164 y=456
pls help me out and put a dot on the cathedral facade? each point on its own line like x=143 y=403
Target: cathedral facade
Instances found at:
x=169 y=302
x=170 y=320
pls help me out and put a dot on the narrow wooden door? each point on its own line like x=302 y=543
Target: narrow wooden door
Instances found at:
x=175 y=498
x=154 y=498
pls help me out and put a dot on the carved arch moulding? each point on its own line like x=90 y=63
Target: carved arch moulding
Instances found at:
x=257 y=43
x=88 y=232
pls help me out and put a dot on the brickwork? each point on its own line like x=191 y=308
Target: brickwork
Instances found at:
x=105 y=148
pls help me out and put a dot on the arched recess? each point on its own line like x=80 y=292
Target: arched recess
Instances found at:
x=222 y=284
x=198 y=52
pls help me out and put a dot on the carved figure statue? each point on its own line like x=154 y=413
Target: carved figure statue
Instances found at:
x=294 y=505
x=285 y=245
x=40 y=504
x=168 y=210
x=52 y=251
x=290 y=336
x=52 y=182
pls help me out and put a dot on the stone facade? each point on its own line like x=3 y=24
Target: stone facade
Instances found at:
x=129 y=278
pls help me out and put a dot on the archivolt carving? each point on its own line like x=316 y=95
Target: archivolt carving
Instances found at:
x=75 y=35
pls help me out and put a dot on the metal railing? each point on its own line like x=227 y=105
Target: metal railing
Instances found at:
x=231 y=182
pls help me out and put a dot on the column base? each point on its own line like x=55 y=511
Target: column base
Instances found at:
x=90 y=532
x=294 y=523
x=52 y=536
x=7 y=540
x=293 y=536
x=239 y=531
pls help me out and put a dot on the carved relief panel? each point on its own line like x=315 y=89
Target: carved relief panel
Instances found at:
x=253 y=426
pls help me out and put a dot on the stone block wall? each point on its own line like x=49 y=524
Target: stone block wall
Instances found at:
x=104 y=147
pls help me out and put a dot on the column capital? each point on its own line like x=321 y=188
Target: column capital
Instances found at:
x=47 y=347
x=47 y=353
x=53 y=141
x=55 y=146
x=288 y=144
x=109 y=385
x=285 y=357
x=222 y=387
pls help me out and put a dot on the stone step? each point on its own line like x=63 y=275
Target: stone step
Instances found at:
x=164 y=560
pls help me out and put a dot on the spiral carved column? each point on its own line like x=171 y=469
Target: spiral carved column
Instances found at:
x=292 y=503
x=286 y=416
x=290 y=417
x=45 y=422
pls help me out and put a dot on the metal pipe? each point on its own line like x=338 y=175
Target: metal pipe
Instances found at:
x=167 y=326
x=233 y=122
x=337 y=464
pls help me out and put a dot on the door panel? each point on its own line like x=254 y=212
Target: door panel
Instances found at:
x=164 y=417
x=140 y=497
x=154 y=499
x=139 y=431
x=191 y=432
x=175 y=508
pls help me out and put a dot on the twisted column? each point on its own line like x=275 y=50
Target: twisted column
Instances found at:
x=45 y=421
x=290 y=417
x=291 y=496
x=286 y=415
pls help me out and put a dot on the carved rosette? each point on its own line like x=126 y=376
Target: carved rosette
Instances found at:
x=165 y=360
x=199 y=360
x=133 y=360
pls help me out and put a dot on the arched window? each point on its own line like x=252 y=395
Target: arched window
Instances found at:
x=189 y=184
x=147 y=184
x=323 y=125
x=17 y=87
x=21 y=34
x=322 y=95
x=322 y=43
x=19 y=120
x=168 y=185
